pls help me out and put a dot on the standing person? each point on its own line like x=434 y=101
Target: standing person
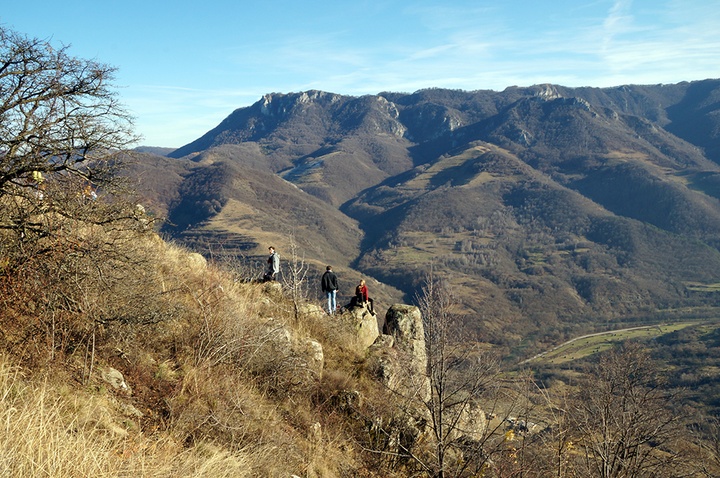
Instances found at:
x=363 y=298
x=273 y=265
x=329 y=284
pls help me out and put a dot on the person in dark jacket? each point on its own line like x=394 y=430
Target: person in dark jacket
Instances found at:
x=329 y=284
x=273 y=265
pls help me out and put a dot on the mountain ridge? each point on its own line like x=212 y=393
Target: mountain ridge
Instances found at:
x=541 y=204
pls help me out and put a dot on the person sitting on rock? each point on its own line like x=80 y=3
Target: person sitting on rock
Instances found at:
x=362 y=297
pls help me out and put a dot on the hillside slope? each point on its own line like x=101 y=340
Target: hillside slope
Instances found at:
x=550 y=209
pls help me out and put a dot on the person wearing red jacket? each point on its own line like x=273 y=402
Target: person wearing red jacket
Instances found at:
x=363 y=298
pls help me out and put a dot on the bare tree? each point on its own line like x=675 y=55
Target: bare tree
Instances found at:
x=707 y=444
x=296 y=280
x=553 y=446
x=62 y=135
x=67 y=224
x=464 y=389
x=622 y=415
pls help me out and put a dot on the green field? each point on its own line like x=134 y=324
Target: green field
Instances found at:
x=700 y=287
x=591 y=344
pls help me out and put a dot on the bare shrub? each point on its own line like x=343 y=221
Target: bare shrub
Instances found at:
x=296 y=281
x=91 y=276
x=623 y=420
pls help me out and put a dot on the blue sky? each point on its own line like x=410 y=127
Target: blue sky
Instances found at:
x=184 y=66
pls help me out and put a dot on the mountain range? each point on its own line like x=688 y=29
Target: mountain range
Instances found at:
x=549 y=211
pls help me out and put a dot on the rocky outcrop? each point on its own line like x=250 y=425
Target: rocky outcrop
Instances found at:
x=404 y=324
x=398 y=357
x=365 y=325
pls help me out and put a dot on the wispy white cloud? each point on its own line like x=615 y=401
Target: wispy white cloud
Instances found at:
x=658 y=42
x=596 y=43
x=618 y=21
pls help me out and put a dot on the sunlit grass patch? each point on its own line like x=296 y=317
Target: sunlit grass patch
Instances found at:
x=701 y=287
x=596 y=343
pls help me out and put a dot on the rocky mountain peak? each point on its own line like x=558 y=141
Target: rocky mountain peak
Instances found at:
x=547 y=92
x=280 y=104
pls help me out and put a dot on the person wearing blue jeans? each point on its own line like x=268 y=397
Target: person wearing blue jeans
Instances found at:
x=329 y=284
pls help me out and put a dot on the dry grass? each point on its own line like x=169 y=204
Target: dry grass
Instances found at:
x=48 y=433
x=223 y=375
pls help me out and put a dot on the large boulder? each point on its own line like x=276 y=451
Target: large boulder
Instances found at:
x=404 y=324
x=115 y=378
x=196 y=261
x=471 y=423
x=312 y=311
x=312 y=356
x=398 y=357
x=365 y=325
x=272 y=288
